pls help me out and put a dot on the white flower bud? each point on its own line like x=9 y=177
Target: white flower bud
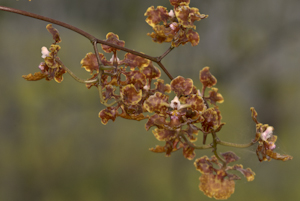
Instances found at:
x=171 y=13
x=45 y=52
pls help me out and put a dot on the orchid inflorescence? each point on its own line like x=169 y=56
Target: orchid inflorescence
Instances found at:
x=131 y=88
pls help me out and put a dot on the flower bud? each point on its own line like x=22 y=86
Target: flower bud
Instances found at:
x=45 y=52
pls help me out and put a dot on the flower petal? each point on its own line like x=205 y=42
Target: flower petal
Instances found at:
x=207 y=79
x=54 y=33
x=133 y=61
x=155 y=16
x=212 y=186
x=36 y=76
x=157 y=103
x=230 y=156
x=130 y=95
x=107 y=114
x=182 y=86
x=114 y=39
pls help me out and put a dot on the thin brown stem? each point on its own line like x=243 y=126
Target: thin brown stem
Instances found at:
x=230 y=144
x=73 y=75
x=165 y=53
x=215 y=143
x=47 y=19
x=87 y=35
x=192 y=145
x=165 y=70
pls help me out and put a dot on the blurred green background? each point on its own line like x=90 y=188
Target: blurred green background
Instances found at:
x=53 y=146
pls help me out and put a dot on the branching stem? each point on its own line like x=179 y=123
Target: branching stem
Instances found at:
x=192 y=145
x=214 y=144
x=92 y=38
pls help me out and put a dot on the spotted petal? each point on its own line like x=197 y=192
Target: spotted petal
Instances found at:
x=107 y=114
x=207 y=79
x=130 y=95
x=182 y=86
x=155 y=16
x=54 y=33
x=114 y=39
x=156 y=103
x=133 y=61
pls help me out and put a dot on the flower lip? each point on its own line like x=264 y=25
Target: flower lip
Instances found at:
x=45 y=52
x=267 y=133
x=175 y=103
x=171 y=13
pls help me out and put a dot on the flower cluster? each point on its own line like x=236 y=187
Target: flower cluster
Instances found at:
x=218 y=182
x=133 y=77
x=175 y=26
x=131 y=88
x=176 y=121
x=266 y=141
x=50 y=68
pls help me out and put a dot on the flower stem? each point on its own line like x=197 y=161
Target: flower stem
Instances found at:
x=73 y=75
x=215 y=143
x=91 y=37
x=230 y=144
x=192 y=145
x=165 y=53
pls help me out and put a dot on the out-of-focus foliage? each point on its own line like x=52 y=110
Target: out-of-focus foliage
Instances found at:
x=54 y=147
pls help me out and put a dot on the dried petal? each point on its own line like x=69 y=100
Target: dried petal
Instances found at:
x=54 y=33
x=36 y=76
x=254 y=115
x=278 y=156
x=230 y=156
x=158 y=149
x=204 y=165
x=248 y=173
x=107 y=114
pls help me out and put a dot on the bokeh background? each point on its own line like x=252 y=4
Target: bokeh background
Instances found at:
x=53 y=146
